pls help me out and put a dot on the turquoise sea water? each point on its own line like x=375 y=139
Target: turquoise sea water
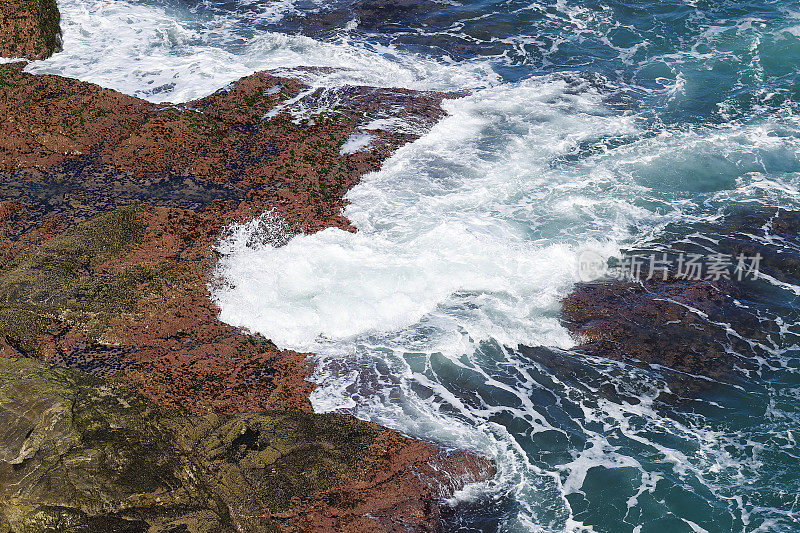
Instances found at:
x=584 y=125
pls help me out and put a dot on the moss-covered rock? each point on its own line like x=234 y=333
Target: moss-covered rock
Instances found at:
x=80 y=454
x=61 y=279
x=29 y=28
x=76 y=453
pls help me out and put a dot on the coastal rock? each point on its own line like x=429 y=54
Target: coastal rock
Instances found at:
x=48 y=119
x=30 y=28
x=80 y=454
x=696 y=326
x=265 y=139
x=669 y=323
x=111 y=211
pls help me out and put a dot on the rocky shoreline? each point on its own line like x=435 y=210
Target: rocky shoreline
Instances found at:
x=128 y=406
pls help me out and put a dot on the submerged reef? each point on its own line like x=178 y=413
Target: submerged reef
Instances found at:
x=707 y=327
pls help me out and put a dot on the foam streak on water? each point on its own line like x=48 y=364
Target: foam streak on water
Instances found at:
x=586 y=125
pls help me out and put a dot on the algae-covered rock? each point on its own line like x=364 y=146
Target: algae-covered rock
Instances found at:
x=60 y=279
x=81 y=454
x=77 y=454
x=696 y=326
x=29 y=28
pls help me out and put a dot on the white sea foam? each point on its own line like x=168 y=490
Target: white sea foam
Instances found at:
x=429 y=247
x=164 y=52
x=356 y=142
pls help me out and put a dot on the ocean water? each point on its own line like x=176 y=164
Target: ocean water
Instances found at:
x=596 y=125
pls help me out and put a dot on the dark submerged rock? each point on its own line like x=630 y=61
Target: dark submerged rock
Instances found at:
x=702 y=327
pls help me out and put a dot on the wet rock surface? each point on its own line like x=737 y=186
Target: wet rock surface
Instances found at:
x=706 y=327
x=259 y=139
x=665 y=323
x=110 y=211
x=381 y=15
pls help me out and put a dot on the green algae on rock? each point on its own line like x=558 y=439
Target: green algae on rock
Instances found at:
x=59 y=279
x=75 y=453
x=30 y=28
x=81 y=454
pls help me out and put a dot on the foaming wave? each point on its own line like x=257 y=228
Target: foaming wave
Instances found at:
x=152 y=51
x=467 y=242
x=449 y=233
x=165 y=52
